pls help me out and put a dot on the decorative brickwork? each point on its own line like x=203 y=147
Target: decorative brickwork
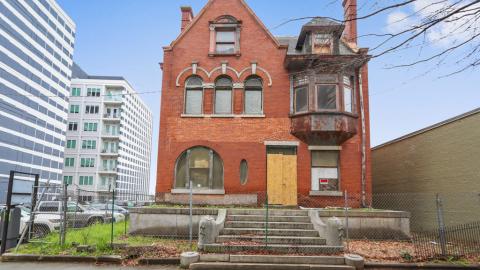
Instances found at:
x=239 y=137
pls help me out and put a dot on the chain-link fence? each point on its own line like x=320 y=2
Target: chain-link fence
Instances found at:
x=412 y=226
x=70 y=216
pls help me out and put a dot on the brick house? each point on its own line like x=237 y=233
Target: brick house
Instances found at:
x=245 y=113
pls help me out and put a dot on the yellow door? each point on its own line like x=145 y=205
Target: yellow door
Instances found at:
x=282 y=176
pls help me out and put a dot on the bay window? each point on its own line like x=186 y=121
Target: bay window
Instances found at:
x=300 y=86
x=347 y=94
x=329 y=93
x=326 y=97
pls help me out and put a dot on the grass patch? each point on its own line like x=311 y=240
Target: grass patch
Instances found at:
x=99 y=235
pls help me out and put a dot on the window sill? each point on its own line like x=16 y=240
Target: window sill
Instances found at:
x=326 y=193
x=198 y=191
x=252 y=115
x=332 y=112
x=221 y=115
x=224 y=54
x=192 y=115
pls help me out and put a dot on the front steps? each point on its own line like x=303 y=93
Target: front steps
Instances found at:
x=267 y=262
x=289 y=231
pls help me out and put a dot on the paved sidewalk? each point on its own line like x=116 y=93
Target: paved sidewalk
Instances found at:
x=76 y=266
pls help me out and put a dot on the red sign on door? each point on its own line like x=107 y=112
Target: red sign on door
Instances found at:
x=323 y=181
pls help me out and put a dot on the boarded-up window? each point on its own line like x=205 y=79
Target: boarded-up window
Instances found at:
x=253 y=95
x=325 y=166
x=223 y=96
x=194 y=95
x=322 y=44
x=326 y=97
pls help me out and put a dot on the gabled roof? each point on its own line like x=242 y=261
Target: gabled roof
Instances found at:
x=201 y=13
x=429 y=128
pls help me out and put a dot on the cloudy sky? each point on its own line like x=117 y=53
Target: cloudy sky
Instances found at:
x=125 y=37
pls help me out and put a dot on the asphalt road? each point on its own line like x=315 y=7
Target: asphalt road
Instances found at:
x=77 y=266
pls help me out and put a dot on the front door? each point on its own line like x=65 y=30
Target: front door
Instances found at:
x=282 y=175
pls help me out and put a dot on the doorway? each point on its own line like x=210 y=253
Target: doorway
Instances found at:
x=282 y=175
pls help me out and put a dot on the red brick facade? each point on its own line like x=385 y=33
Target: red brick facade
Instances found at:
x=240 y=137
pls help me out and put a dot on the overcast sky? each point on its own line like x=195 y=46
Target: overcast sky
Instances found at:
x=125 y=38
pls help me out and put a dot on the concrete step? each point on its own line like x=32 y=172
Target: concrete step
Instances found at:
x=271 y=212
x=264 y=266
x=272 y=225
x=273 y=232
x=278 y=248
x=323 y=260
x=270 y=218
x=295 y=240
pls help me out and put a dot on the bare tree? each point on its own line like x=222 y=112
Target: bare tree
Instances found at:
x=450 y=27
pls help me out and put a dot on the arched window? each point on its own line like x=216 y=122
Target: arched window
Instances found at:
x=202 y=166
x=193 y=95
x=243 y=172
x=223 y=95
x=253 y=95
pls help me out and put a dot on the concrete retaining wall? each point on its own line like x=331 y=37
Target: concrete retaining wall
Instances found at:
x=166 y=221
x=383 y=224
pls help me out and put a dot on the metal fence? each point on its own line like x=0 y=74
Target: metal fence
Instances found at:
x=71 y=216
x=428 y=225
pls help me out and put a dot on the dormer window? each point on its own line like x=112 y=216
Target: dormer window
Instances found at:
x=225 y=36
x=322 y=43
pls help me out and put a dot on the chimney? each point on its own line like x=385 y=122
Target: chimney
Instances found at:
x=350 y=15
x=187 y=16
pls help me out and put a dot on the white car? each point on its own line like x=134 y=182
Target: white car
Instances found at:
x=42 y=225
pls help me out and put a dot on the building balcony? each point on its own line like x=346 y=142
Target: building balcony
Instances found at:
x=110 y=135
x=106 y=153
x=107 y=170
x=113 y=99
x=111 y=117
x=324 y=128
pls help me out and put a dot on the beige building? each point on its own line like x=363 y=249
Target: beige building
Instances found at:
x=443 y=158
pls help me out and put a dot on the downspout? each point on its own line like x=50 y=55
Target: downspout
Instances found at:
x=363 y=150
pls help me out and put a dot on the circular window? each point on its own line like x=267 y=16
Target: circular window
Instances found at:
x=243 y=172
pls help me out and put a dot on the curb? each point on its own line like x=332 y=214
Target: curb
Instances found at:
x=9 y=257
x=385 y=266
x=159 y=261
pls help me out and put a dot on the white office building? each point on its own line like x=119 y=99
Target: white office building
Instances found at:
x=109 y=140
x=36 y=47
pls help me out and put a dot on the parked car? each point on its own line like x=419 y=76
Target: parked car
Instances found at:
x=43 y=224
x=108 y=207
x=77 y=214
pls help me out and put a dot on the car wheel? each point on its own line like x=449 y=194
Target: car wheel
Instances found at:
x=40 y=231
x=95 y=220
